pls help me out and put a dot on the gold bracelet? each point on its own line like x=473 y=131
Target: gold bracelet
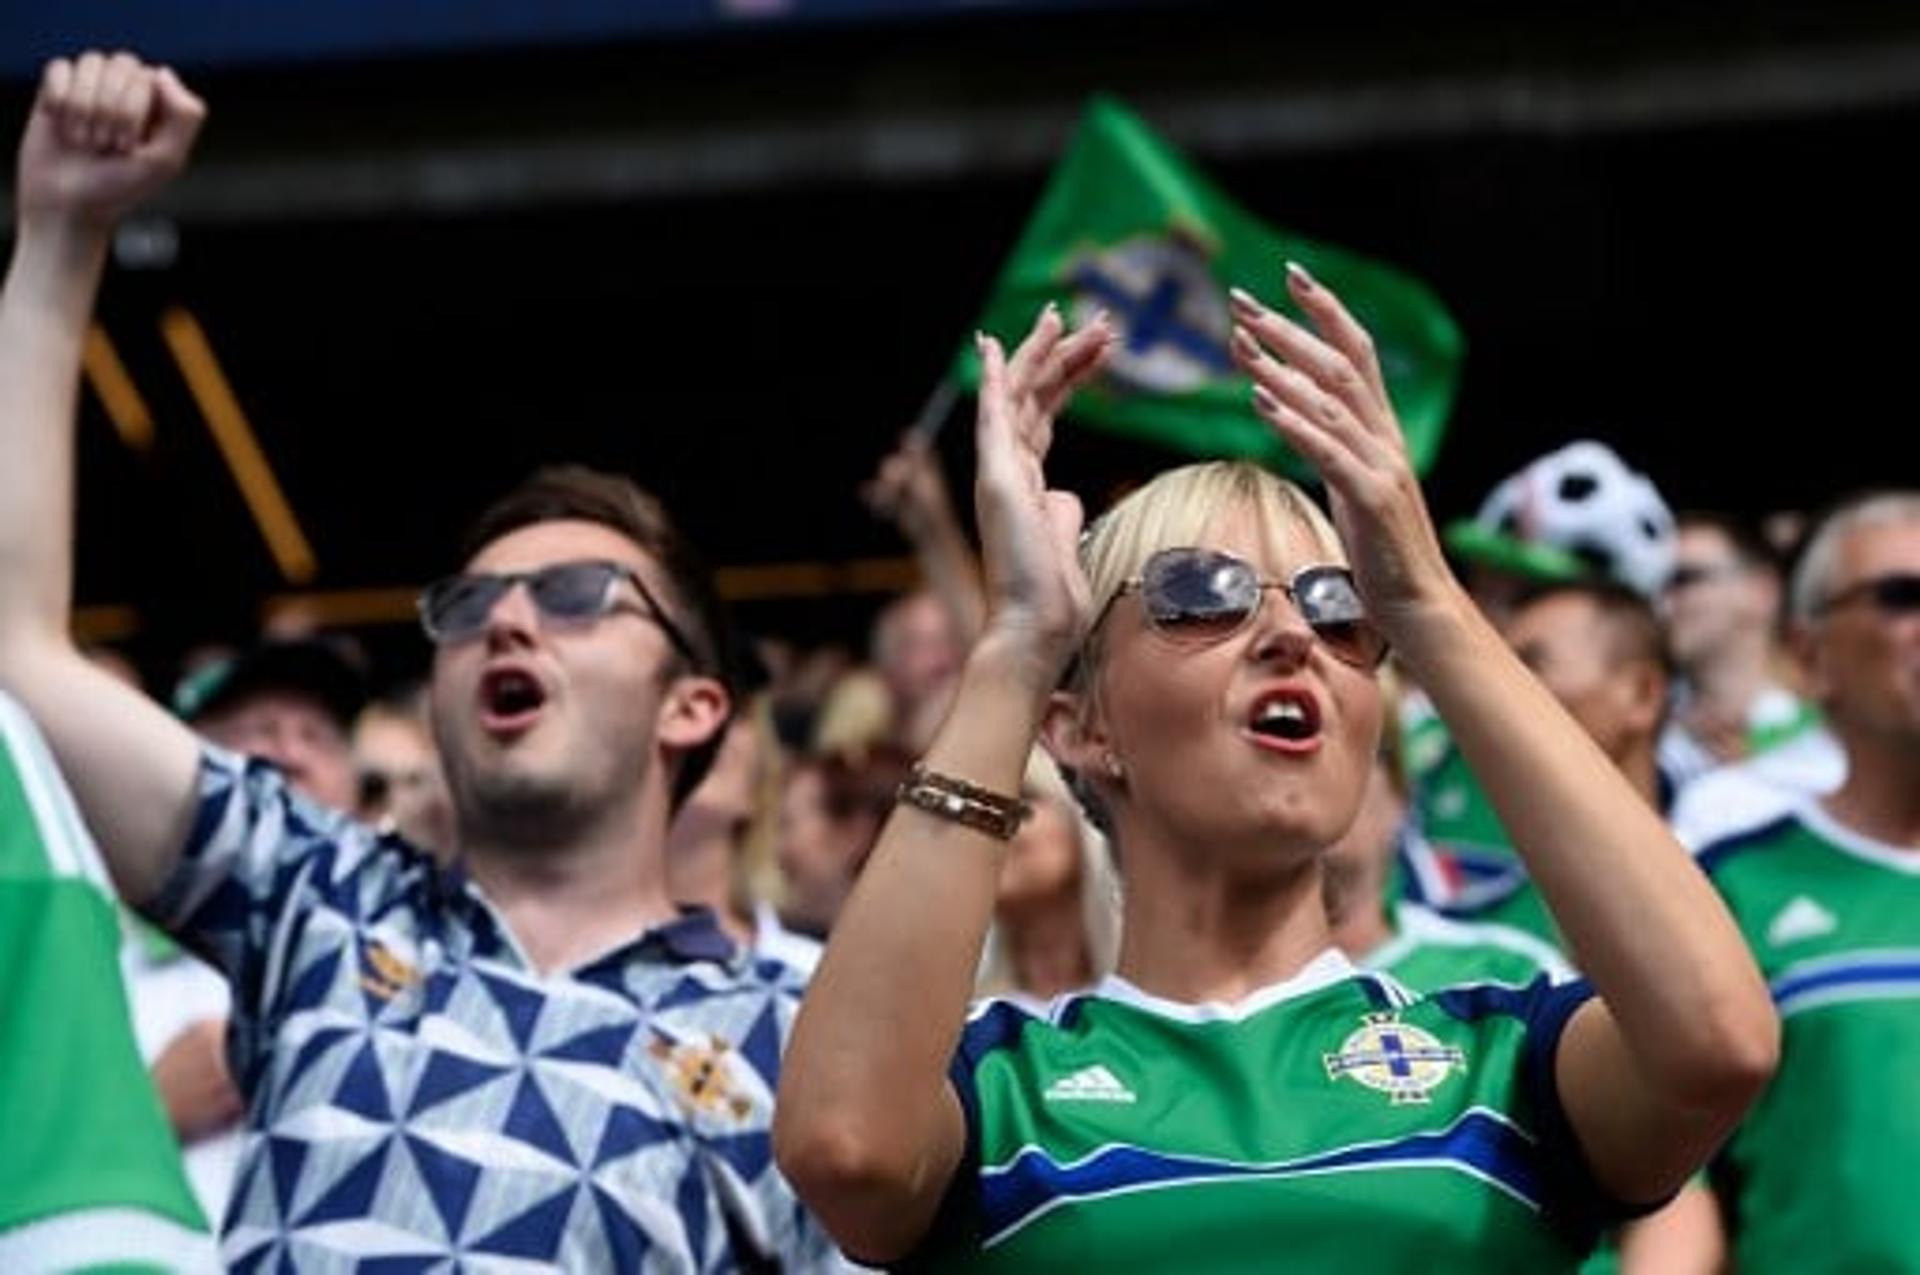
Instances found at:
x=978 y=808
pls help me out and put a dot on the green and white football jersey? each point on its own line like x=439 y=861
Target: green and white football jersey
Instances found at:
x=90 y=1175
x=1821 y=1175
x=1463 y=859
x=1332 y=1122
x=1429 y=952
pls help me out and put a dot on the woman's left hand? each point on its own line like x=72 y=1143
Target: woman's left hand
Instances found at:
x=1324 y=394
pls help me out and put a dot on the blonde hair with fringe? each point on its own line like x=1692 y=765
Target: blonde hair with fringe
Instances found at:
x=1176 y=510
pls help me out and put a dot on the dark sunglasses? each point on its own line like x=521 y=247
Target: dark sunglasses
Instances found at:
x=456 y=608
x=1206 y=595
x=1894 y=594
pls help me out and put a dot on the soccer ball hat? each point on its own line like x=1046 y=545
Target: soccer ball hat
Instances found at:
x=1576 y=513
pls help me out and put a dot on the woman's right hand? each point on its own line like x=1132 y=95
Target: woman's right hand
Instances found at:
x=1037 y=596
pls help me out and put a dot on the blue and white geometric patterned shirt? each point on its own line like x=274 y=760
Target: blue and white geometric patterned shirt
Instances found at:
x=420 y=1098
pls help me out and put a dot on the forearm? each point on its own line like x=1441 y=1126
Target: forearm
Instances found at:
x=1643 y=922
x=954 y=575
x=130 y=764
x=865 y=1124
x=44 y=311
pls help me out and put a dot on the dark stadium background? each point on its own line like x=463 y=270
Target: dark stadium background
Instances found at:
x=730 y=254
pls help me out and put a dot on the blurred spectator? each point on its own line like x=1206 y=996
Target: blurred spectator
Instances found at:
x=917 y=650
x=920 y=640
x=1599 y=649
x=292 y=703
x=1775 y=744
x=1828 y=895
x=401 y=787
x=91 y=1177
x=831 y=810
x=1422 y=949
x=1576 y=514
x=856 y=714
x=719 y=839
x=1722 y=608
x=1056 y=917
x=910 y=490
x=709 y=831
x=800 y=689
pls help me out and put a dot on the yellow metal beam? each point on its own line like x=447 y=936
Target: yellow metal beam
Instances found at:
x=816 y=579
x=104 y=624
x=238 y=445
x=117 y=392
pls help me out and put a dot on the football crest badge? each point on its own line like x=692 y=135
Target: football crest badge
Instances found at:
x=1398 y=1059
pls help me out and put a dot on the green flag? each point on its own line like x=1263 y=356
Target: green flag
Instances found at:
x=1127 y=225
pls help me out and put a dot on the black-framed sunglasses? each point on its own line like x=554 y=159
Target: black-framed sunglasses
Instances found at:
x=456 y=608
x=1896 y=593
x=1208 y=595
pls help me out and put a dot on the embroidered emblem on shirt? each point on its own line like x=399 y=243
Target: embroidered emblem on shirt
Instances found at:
x=384 y=973
x=702 y=1075
x=1402 y=1061
x=1800 y=919
x=1089 y=1084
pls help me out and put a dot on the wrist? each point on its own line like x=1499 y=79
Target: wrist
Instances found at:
x=57 y=263
x=63 y=233
x=1426 y=634
x=1013 y=660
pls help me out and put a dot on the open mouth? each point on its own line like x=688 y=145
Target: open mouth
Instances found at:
x=510 y=699
x=1286 y=720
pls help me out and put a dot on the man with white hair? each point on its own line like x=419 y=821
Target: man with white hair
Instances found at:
x=1828 y=894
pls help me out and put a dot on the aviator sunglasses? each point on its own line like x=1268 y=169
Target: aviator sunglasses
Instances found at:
x=456 y=608
x=1207 y=595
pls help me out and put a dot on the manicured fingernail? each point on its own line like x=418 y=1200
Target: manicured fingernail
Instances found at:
x=1243 y=343
x=1264 y=400
x=1298 y=273
x=1244 y=299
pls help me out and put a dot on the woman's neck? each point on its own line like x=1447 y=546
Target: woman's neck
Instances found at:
x=1195 y=931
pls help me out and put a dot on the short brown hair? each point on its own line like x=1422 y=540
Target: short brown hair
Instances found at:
x=575 y=493
x=1633 y=632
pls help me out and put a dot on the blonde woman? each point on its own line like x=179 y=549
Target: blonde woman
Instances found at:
x=1056 y=913
x=1238 y=1096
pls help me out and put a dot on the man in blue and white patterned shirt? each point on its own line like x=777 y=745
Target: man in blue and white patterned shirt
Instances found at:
x=529 y=1056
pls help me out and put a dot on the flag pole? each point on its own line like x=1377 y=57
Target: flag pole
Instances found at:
x=934 y=412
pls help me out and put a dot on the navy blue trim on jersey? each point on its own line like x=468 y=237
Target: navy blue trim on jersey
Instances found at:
x=1712 y=855
x=1575 y=1202
x=1033 y=1184
x=956 y=1224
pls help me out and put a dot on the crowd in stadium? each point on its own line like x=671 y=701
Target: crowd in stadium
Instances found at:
x=1238 y=877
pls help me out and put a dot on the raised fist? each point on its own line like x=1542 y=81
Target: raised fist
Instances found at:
x=106 y=132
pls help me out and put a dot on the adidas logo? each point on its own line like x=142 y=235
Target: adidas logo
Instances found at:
x=1800 y=919
x=1089 y=1084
